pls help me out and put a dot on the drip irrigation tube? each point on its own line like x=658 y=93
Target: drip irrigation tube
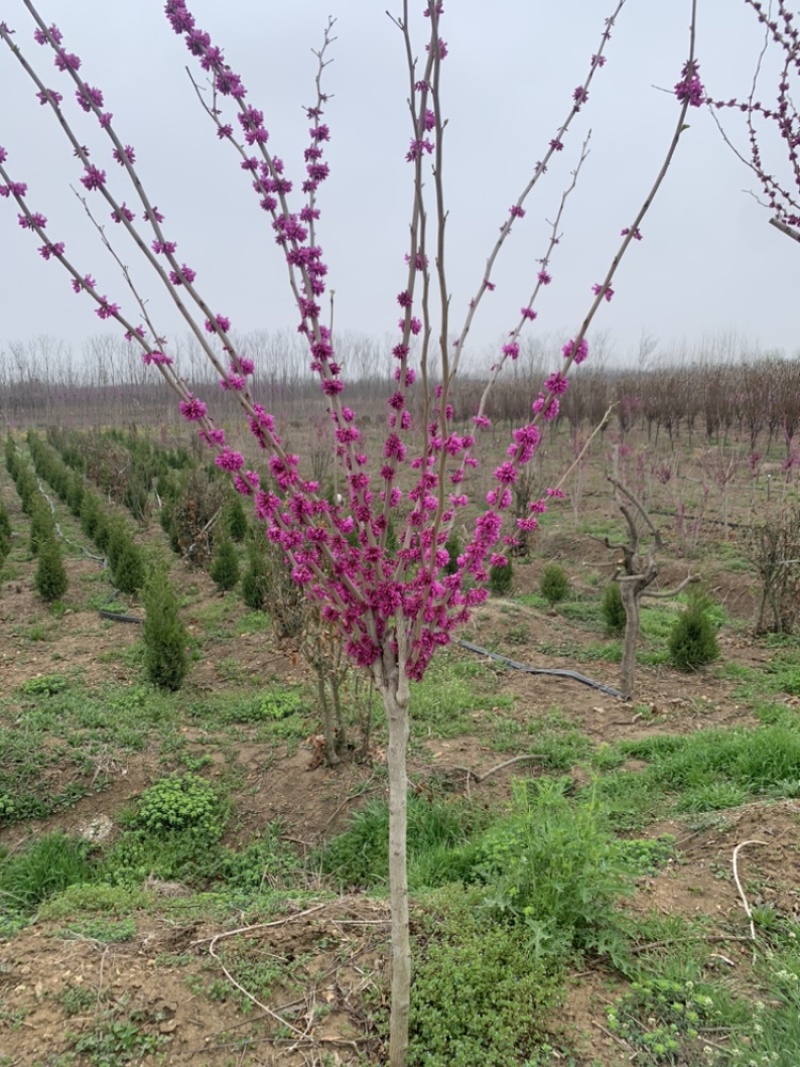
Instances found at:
x=116 y=617
x=556 y=671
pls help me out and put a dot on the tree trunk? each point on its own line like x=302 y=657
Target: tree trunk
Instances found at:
x=327 y=720
x=630 y=601
x=395 y=702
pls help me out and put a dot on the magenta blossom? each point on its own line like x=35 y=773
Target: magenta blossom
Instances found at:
x=577 y=355
x=192 y=409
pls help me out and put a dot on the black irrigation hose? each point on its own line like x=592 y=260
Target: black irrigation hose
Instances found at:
x=556 y=671
x=702 y=519
x=116 y=617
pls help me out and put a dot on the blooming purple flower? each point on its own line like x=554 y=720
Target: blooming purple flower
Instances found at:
x=229 y=460
x=48 y=250
x=87 y=283
x=106 y=310
x=41 y=37
x=544 y=278
x=578 y=355
x=186 y=275
x=528 y=313
x=192 y=409
x=608 y=294
x=159 y=359
x=124 y=212
x=49 y=96
x=690 y=88
x=89 y=97
x=93 y=178
x=67 y=60
x=127 y=153
x=557 y=384
x=417 y=148
x=511 y=349
x=223 y=324
x=165 y=247
x=506 y=473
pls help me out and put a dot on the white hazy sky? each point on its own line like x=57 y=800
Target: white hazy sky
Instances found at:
x=709 y=264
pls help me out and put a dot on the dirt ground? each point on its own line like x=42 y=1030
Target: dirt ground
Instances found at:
x=161 y=971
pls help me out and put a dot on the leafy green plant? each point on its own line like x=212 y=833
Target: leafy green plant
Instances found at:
x=113 y=1041
x=554 y=584
x=255 y=580
x=478 y=996
x=693 y=640
x=50 y=578
x=225 y=566
x=277 y=703
x=128 y=570
x=44 y=685
x=452 y=547
x=75 y=999
x=182 y=802
x=261 y=862
x=164 y=635
x=613 y=610
x=662 y=1019
x=236 y=520
x=500 y=578
x=553 y=867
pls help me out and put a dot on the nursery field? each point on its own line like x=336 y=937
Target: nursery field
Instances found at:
x=186 y=877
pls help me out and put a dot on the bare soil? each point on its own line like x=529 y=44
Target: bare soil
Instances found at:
x=164 y=972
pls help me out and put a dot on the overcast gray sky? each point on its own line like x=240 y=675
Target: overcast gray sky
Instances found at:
x=709 y=264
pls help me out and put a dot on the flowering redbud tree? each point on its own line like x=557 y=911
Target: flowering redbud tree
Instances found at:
x=393 y=609
x=781 y=45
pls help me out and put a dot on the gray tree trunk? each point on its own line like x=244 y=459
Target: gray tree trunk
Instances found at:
x=630 y=601
x=395 y=701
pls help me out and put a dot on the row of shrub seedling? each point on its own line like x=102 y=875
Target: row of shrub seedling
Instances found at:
x=164 y=636
x=123 y=466
x=109 y=531
x=197 y=509
x=5 y=534
x=50 y=577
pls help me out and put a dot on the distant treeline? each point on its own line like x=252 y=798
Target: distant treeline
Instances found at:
x=756 y=400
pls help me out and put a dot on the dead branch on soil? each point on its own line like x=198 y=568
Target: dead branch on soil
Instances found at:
x=708 y=938
x=742 y=895
x=250 y=996
x=473 y=776
x=259 y=926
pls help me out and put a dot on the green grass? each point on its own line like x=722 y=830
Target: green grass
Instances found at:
x=708 y=770
x=444 y=704
x=438 y=831
x=556 y=740
x=55 y=730
x=46 y=867
x=477 y=997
